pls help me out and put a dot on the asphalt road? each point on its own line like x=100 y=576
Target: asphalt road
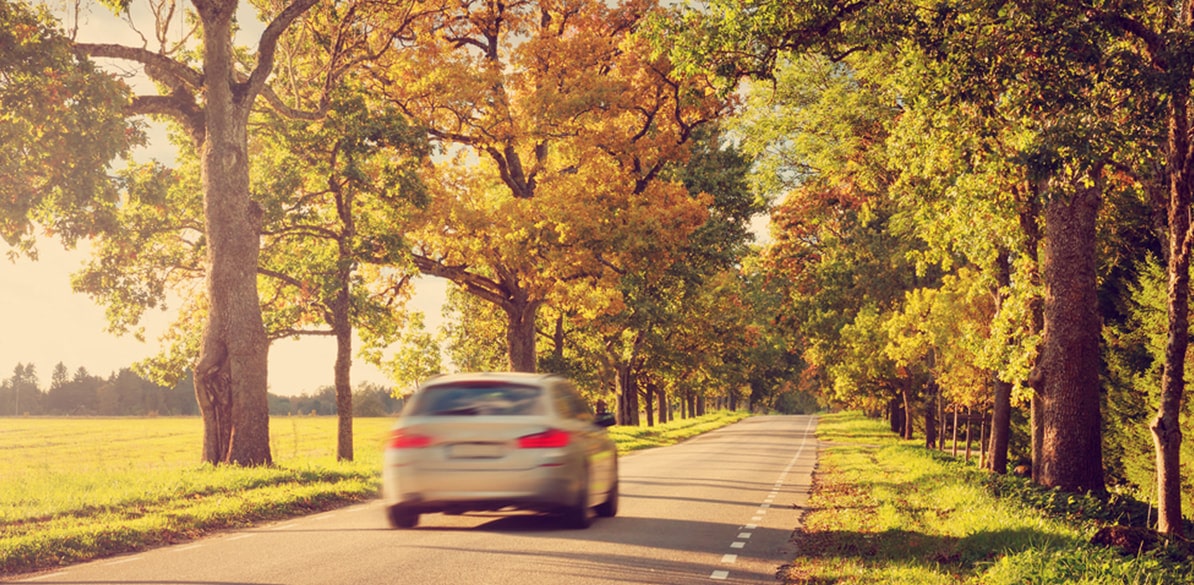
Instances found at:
x=717 y=509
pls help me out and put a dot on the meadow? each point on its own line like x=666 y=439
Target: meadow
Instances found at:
x=75 y=489
x=888 y=511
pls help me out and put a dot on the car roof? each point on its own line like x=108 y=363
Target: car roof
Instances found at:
x=515 y=377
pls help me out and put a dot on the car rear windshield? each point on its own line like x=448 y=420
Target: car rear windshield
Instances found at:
x=488 y=398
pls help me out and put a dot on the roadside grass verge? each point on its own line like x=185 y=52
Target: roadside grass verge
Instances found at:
x=889 y=511
x=74 y=489
x=672 y=432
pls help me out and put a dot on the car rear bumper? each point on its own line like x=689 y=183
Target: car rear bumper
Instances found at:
x=540 y=488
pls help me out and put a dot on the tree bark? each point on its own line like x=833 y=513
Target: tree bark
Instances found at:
x=906 y=397
x=520 y=334
x=1166 y=425
x=1071 y=453
x=665 y=414
x=929 y=411
x=1001 y=416
x=627 y=394
x=649 y=394
x=894 y=418
x=954 y=451
x=342 y=369
x=231 y=376
x=1001 y=423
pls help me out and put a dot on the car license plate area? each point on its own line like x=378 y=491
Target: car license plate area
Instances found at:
x=476 y=451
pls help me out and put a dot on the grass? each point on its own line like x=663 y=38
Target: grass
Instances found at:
x=888 y=511
x=636 y=438
x=76 y=489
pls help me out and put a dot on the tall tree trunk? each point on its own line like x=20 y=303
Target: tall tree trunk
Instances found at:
x=929 y=411
x=1071 y=452
x=650 y=395
x=342 y=321
x=342 y=367
x=1001 y=416
x=1030 y=215
x=954 y=451
x=627 y=394
x=231 y=375
x=520 y=334
x=1001 y=423
x=1166 y=426
x=665 y=414
x=906 y=392
x=969 y=430
x=944 y=422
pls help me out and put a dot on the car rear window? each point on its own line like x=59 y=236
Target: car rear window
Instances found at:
x=489 y=398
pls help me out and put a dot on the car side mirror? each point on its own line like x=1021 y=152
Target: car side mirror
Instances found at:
x=605 y=420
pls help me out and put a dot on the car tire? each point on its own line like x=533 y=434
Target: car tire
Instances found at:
x=401 y=518
x=609 y=508
x=577 y=516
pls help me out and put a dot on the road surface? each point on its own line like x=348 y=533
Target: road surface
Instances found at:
x=719 y=508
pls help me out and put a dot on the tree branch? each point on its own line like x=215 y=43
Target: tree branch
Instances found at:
x=157 y=66
x=268 y=46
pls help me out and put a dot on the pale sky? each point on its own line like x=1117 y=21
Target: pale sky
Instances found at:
x=44 y=322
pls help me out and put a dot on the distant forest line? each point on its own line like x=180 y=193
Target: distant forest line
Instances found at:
x=125 y=393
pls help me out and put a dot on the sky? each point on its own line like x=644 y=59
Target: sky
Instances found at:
x=45 y=323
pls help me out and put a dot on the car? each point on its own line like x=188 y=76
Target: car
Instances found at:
x=500 y=441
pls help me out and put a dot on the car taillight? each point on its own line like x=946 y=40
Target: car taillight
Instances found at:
x=549 y=439
x=401 y=439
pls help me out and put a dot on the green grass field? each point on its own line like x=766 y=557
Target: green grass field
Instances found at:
x=889 y=511
x=74 y=489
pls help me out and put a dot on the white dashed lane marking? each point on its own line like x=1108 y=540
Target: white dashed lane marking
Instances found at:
x=740 y=544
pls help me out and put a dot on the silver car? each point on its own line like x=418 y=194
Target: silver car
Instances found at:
x=496 y=441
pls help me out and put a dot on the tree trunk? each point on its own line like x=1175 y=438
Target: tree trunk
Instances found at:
x=894 y=418
x=906 y=395
x=1029 y=216
x=627 y=391
x=1166 y=426
x=969 y=430
x=665 y=414
x=982 y=441
x=650 y=395
x=954 y=451
x=1071 y=453
x=343 y=383
x=929 y=411
x=520 y=334
x=944 y=422
x=231 y=375
x=1001 y=416
x=342 y=323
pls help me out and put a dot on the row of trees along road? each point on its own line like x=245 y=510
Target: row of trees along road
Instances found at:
x=987 y=203
x=983 y=204
x=539 y=155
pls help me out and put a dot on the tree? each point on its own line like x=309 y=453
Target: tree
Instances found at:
x=212 y=102
x=560 y=116
x=339 y=191
x=209 y=90
x=417 y=359
x=64 y=121
x=1159 y=40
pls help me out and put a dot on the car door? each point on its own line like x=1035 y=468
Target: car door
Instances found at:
x=597 y=446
